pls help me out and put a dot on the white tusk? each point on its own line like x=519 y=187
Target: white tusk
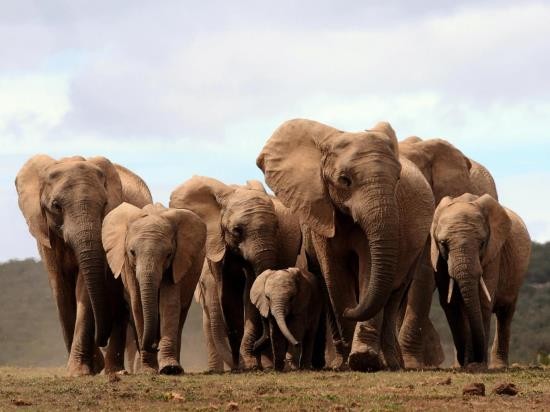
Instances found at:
x=451 y=287
x=485 y=290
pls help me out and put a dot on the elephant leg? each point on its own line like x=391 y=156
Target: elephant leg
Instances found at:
x=252 y=326
x=63 y=287
x=215 y=362
x=170 y=311
x=114 y=357
x=365 y=353
x=341 y=286
x=131 y=349
x=501 y=344
x=414 y=326
x=83 y=350
x=459 y=330
x=389 y=342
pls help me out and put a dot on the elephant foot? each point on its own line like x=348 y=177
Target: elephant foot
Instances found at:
x=98 y=362
x=148 y=370
x=475 y=367
x=76 y=368
x=412 y=362
x=170 y=367
x=498 y=365
x=367 y=361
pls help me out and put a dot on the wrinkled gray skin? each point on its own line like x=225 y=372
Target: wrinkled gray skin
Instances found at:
x=368 y=212
x=248 y=232
x=484 y=249
x=292 y=301
x=450 y=173
x=64 y=202
x=159 y=253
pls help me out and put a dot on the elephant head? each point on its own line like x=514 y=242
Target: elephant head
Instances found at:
x=64 y=203
x=146 y=245
x=315 y=170
x=238 y=218
x=467 y=234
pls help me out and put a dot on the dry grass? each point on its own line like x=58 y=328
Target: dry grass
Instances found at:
x=41 y=389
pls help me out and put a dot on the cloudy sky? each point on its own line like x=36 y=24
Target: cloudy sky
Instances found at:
x=176 y=88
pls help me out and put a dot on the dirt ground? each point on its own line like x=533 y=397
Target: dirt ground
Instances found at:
x=41 y=388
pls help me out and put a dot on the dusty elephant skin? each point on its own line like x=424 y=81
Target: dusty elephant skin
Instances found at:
x=64 y=202
x=159 y=253
x=369 y=213
x=450 y=173
x=248 y=232
x=480 y=251
x=292 y=301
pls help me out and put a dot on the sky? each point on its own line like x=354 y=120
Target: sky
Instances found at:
x=176 y=88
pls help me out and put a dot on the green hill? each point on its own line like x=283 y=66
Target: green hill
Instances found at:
x=30 y=334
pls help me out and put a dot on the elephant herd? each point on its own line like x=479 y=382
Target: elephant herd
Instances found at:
x=336 y=269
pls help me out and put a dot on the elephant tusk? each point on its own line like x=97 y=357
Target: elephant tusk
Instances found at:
x=451 y=287
x=485 y=290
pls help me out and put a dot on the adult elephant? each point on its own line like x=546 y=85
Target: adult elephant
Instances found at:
x=64 y=202
x=248 y=232
x=369 y=214
x=450 y=173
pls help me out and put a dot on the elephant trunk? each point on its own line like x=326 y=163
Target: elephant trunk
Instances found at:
x=469 y=289
x=378 y=216
x=264 y=258
x=149 y=300
x=279 y=313
x=90 y=257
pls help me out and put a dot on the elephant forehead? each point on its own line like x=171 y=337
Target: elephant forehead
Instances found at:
x=249 y=201
x=462 y=217
x=72 y=169
x=361 y=143
x=151 y=225
x=280 y=281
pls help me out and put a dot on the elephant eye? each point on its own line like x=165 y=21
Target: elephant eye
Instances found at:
x=133 y=252
x=237 y=231
x=443 y=248
x=344 y=180
x=56 y=206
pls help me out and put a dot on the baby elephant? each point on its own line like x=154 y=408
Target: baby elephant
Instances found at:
x=482 y=249
x=291 y=303
x=159 y=253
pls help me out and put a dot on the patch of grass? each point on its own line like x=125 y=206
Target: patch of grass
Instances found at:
x=339 y=391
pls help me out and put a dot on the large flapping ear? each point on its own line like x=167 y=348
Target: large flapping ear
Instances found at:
x=291 y=162
x=113 y=235
x=385 y=128
x=29 y=184
x=255 y=185
x=205 y=196
x=113 y=184
x=190 y=241
x=301 y=300
x=411 y=140
x=257 y=292
x=482 y=180
x=499 y=226
x=134 y=188
x=450 y=169
x=434 y=248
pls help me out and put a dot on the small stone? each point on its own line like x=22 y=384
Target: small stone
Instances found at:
x=20 y=402
x=447 y=381
x=474 y=389
x=506 y=389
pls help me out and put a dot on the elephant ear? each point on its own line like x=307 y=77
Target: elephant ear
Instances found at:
x=255 y=185
x=291 y=162
x=113 y=185
x=113 y=234
x=190 y=240
x=29 y=184
x=303 y=290
x=499 y=226
x=434 y=248
x=450 y=169
x=205 y=197
x=385 y=128
x=257 y=293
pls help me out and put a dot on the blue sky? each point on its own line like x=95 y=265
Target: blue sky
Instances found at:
x=175 y=88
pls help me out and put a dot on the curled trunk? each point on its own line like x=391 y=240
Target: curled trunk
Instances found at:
x=379 y=219
x=90 y=256
x=278 y=312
